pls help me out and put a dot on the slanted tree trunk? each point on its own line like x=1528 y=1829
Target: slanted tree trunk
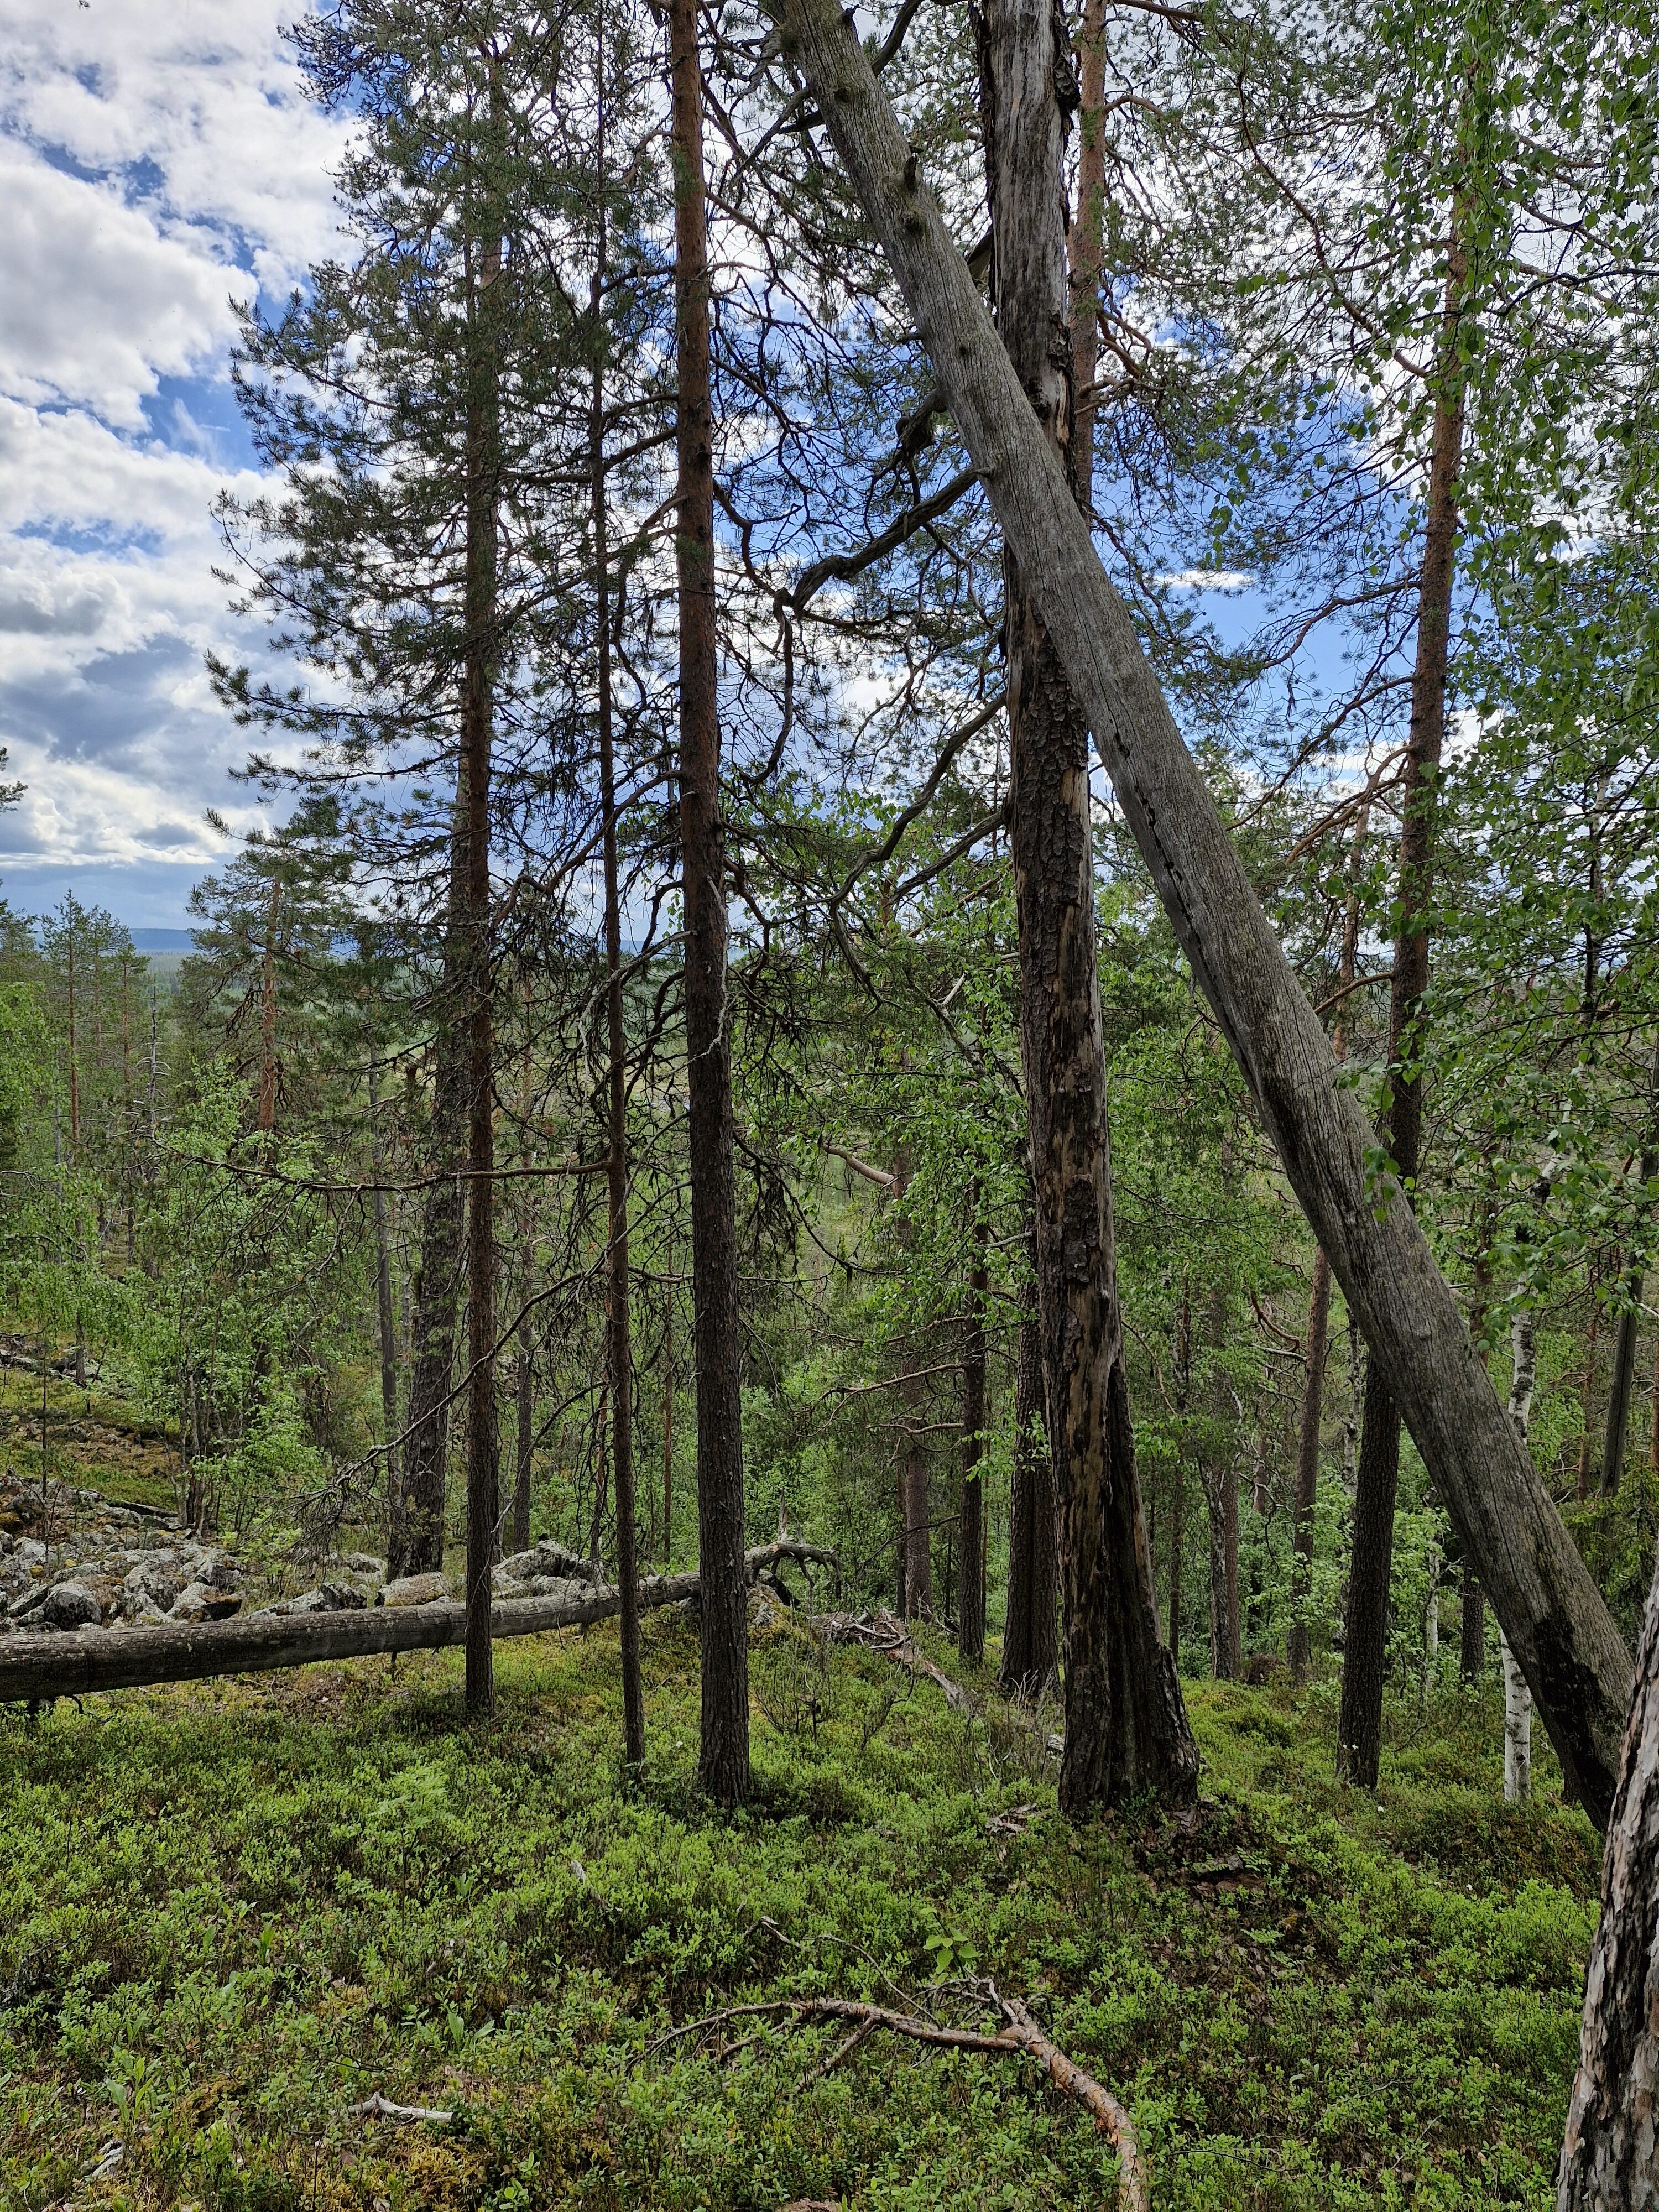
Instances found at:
x=483 y=468
x=724 y=1754
x=1125 y=1728
x=1359 y=1729
x=1555 y=1618
x=619 y=1355
x=1610 y=2155
x=970 y=1606
x=1031 y=1647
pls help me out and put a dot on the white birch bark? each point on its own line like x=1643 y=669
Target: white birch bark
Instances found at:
x=1517 y=1698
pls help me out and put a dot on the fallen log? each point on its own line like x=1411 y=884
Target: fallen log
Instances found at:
x=34 y=1668
x=1557 y=1623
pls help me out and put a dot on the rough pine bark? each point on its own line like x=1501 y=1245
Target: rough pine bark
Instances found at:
x=1126 y=1728
x=1555 y=1618
x=483 y=464
x=724 y=1765
x=1031 y=1640
x=1610 y=2156
x=1359 y=1729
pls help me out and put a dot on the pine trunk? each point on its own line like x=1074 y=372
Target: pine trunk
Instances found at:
x=1125 y=1728
x=1030 y=1646
x=478 y=715
x=619 y=1354
x=724 y=1751
x=1555 y=1618
x=1359 y=1729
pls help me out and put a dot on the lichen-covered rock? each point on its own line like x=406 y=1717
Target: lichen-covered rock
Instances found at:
x=415 y=1589
x=327 y=1597
x=201 y=1601
x=70 y=1605
x=544 y=1562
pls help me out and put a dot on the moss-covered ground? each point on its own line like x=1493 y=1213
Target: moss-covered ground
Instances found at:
x=230 y=1912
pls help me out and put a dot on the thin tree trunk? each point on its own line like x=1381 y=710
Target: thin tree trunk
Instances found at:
x=668 y=1408
x=383 y=1296
x=1587 y=1400
x=1517 y=1698
x=1300 y=1644
x=1610 y=2156
x=1221 y=1498
x=1300 y=1651
x=267 y=1109
x=1178 y=1485
x=914 y=1500
x=1621 y=1388
x=483 y=463
x=1126 y=1728
x=1555 y=1618
x=617 y=1317
x=970 y=1606
x=1359 y=1729
x=523 y=1394
x=1030 y=1646
x=724 y=1752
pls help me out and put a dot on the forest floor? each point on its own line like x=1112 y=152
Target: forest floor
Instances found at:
x=231 y=1912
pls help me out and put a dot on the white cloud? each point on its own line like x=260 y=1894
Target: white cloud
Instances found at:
x=157 y=157
x=1207 y=579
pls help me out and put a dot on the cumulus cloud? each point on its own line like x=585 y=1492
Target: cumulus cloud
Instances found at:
x=155 y=162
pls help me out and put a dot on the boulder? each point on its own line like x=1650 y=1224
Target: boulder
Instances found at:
x=415 y=1589
x=545 y=1561
x=327 y=1597
x=201 y=1601
x=156 y=1582
x=70 y=1605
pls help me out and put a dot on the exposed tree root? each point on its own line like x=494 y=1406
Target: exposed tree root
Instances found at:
x=884 y=1633
x=1021 y=2034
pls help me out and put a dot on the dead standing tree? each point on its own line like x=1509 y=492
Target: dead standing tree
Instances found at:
x=1553 y=1615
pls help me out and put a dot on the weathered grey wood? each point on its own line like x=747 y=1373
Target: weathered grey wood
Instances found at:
x=37 y=1667
x=1610 y=2156
x=1551 y=1610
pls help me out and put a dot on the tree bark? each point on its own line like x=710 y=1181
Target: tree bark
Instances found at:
x=483 y=467
x=970 y=1606
x=1031 y=1647
x=619 y=1355
x=725 y=1752
x=1126 y=1728
x=1556 y=1619
x=1610 y=2156
x=1359 y=1729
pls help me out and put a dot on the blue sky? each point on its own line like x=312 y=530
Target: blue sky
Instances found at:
x=157 y=159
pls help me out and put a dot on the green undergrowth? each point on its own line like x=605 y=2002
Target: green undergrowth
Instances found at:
x=229 y=1913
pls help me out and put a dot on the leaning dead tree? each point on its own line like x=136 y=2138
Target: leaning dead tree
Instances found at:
x=1610 y=2158
x=34 y=1668
x=1551 y=1610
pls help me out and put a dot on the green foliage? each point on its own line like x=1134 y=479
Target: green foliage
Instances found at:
x=226 y=1916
